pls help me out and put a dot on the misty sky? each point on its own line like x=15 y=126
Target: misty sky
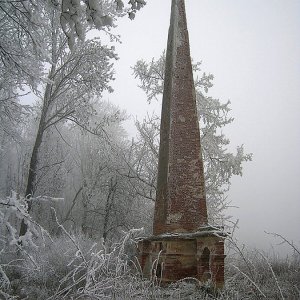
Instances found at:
x=253 y=49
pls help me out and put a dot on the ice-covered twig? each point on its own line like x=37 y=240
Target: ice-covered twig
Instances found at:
x=250 y=280
x=273 y=274
x=79 y=252
x=284 y=240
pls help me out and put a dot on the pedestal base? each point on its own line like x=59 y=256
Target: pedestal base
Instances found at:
x=171 y=257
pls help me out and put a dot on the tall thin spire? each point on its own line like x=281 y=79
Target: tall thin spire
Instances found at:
x=197 y=250
x=180 y=202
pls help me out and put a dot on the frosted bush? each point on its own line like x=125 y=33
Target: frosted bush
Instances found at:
x=72 y=266
x=12 y=211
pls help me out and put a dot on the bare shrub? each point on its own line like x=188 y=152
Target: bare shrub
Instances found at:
x=72 y=266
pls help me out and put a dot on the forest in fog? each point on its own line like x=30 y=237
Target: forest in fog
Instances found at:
x=76 y=192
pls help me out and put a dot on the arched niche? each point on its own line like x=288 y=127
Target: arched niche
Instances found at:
x=205 y=263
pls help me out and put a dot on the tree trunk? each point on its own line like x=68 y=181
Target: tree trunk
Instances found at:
x=30 y=187
x=85 y=204
x=108 y=205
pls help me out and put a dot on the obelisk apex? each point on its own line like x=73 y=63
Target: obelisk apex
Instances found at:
x=180 y=201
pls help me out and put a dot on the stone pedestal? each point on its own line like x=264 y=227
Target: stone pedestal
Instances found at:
x=171 y=257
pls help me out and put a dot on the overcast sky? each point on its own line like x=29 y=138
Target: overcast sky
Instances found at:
x=253 y=49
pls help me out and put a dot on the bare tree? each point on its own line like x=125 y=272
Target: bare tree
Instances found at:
x=74 y=79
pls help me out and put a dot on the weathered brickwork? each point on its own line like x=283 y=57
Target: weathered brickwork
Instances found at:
x=180 y=203
x=172 y=258
x=183 y=245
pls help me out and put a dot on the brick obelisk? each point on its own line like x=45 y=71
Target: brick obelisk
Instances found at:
x=180 y=201
x=183 y=243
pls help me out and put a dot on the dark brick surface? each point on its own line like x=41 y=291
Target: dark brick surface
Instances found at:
x=180 y=202
x=181 y=258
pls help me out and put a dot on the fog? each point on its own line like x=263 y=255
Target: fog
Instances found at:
x=253 y=50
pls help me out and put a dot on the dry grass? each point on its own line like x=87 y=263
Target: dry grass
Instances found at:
x=74 y=267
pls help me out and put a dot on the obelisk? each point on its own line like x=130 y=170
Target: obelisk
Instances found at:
x=183 y=244
x=180 y=200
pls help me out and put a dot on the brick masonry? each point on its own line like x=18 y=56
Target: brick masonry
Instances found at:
x=180 y=202
x=180 y=207
x=176 y=257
